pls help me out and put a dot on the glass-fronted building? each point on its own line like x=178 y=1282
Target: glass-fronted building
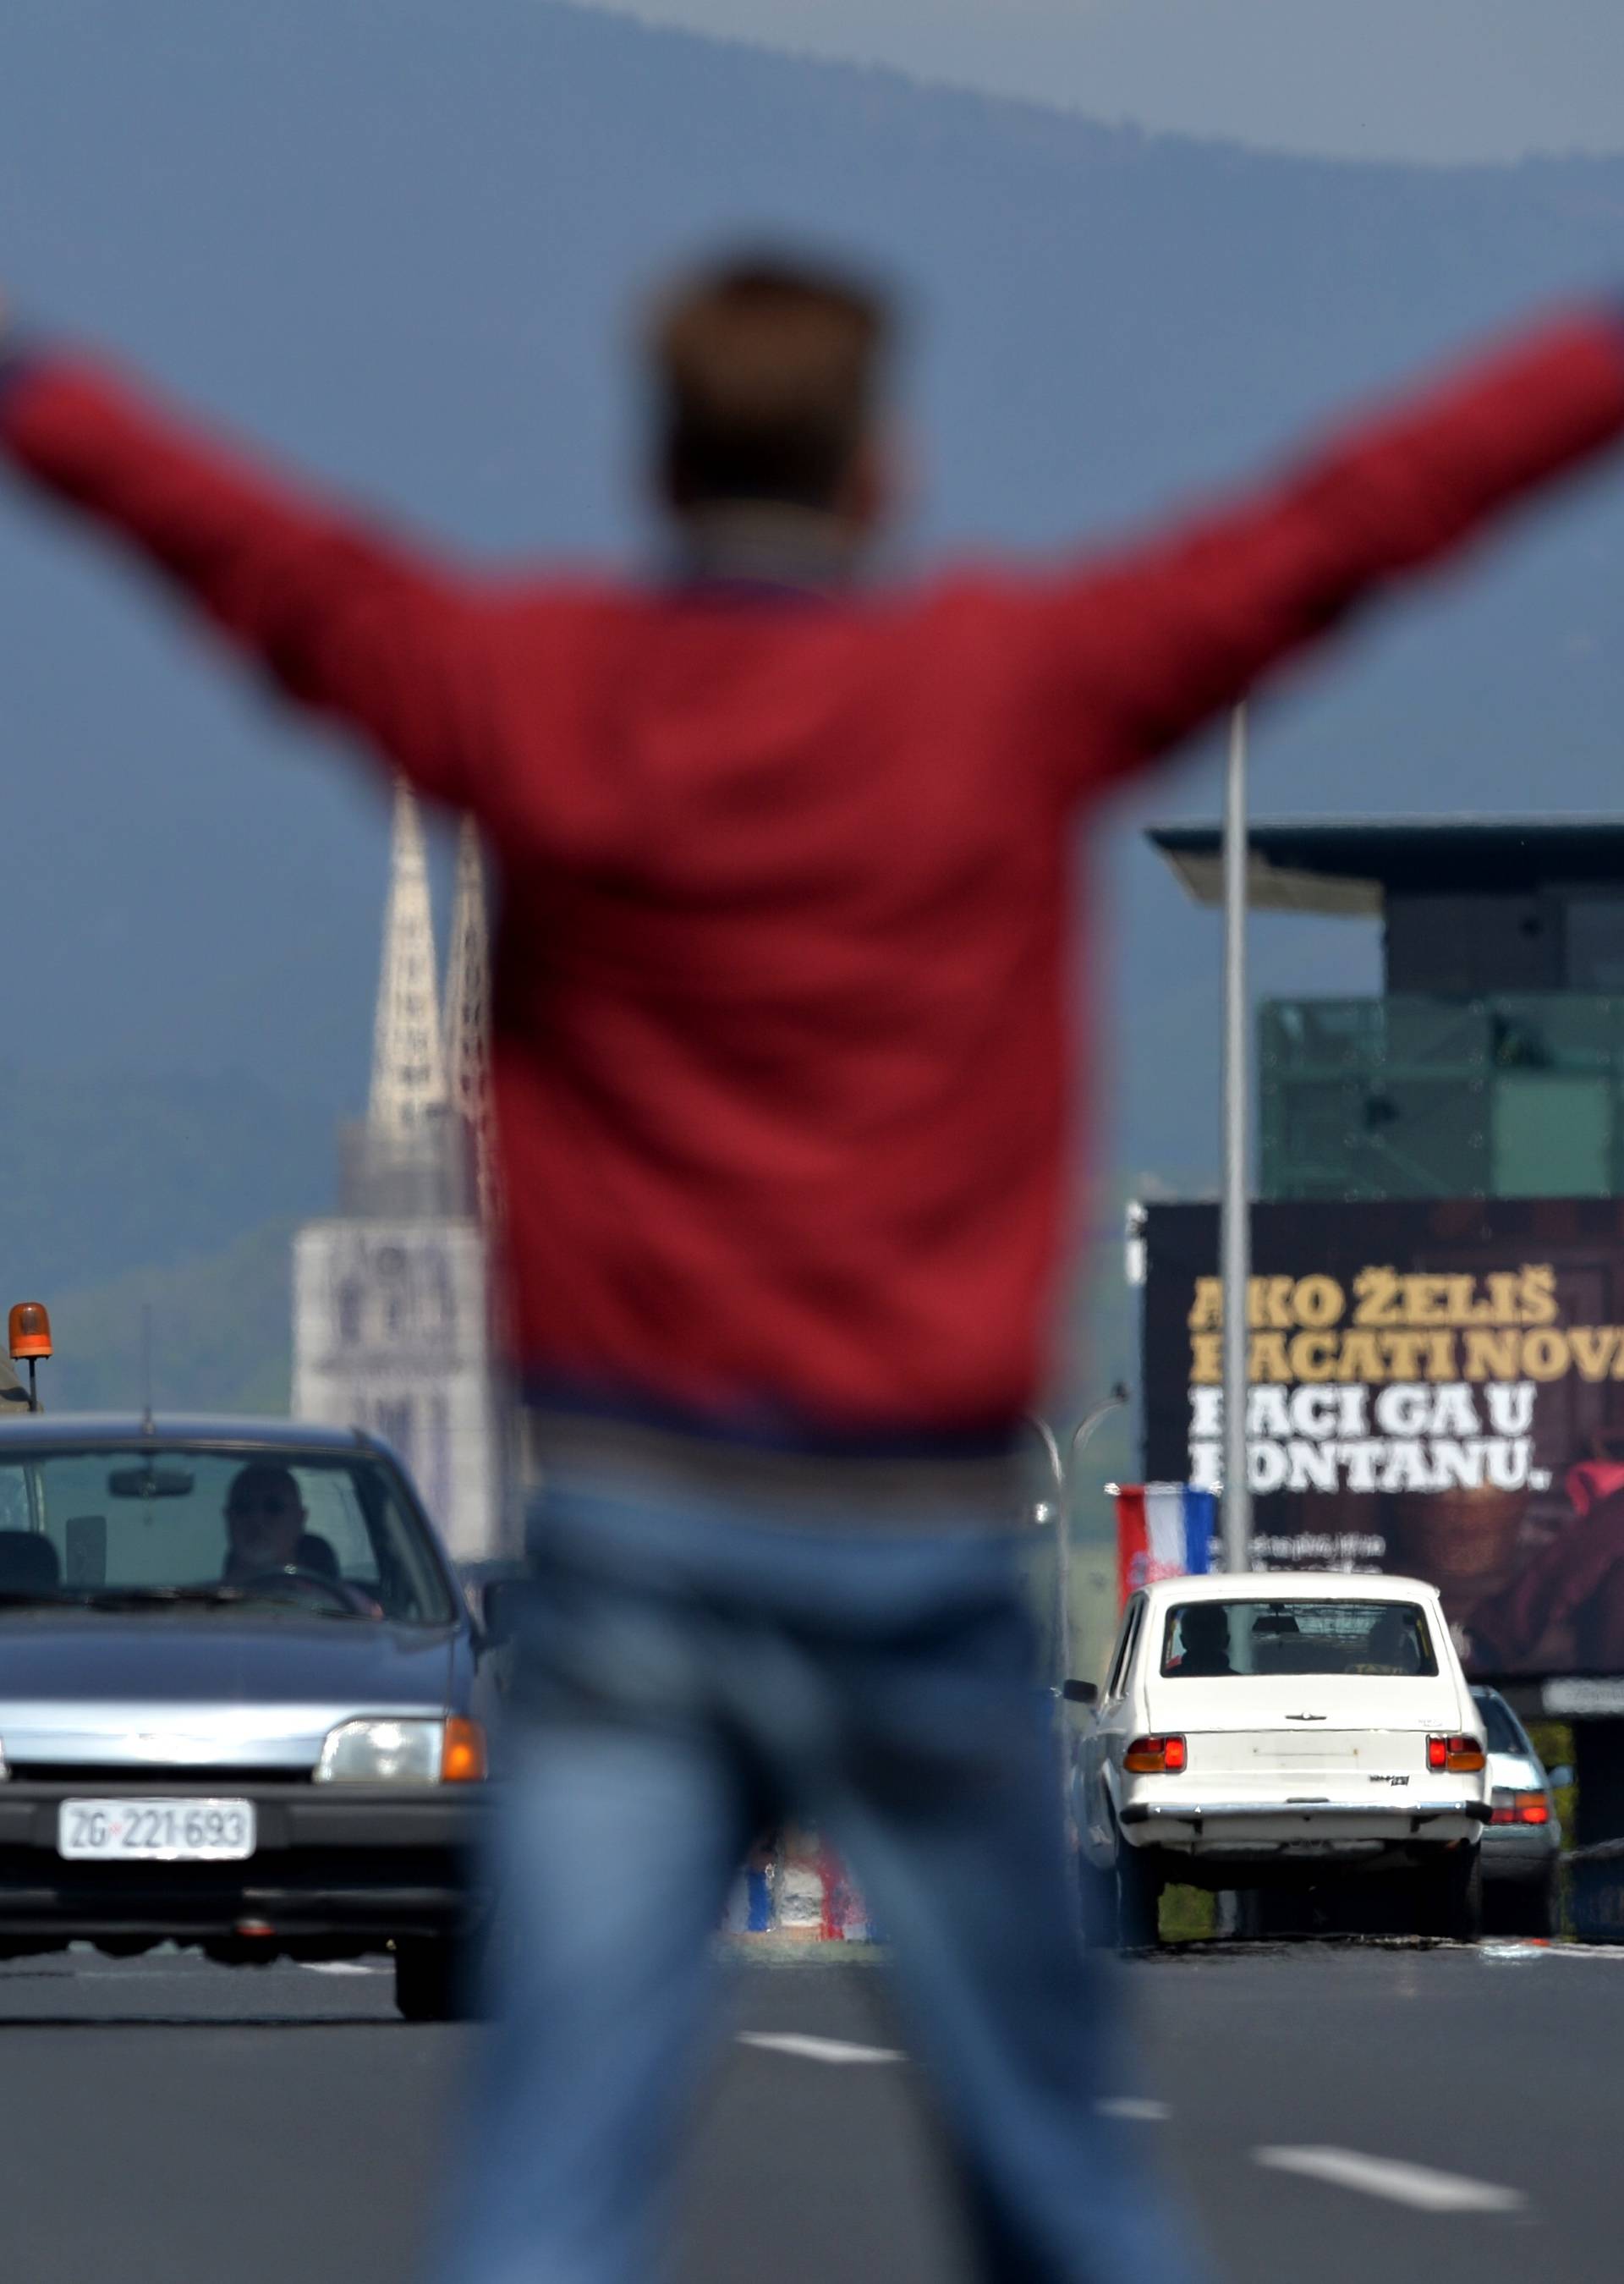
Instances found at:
x=1492 y=1065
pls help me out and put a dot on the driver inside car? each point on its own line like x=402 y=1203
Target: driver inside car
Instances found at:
x=265 y=1527
x=1393 y=1648
x=1204 y=1641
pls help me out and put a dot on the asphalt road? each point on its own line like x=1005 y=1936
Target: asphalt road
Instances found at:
x=165 y=2122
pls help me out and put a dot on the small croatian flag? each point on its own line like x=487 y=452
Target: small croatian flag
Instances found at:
x=1164 y=1530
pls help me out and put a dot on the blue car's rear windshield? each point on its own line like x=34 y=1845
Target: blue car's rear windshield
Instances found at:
x=330 y=1534
x=1504 y=1736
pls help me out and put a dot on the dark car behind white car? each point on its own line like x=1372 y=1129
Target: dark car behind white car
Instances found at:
x=1522 y=1843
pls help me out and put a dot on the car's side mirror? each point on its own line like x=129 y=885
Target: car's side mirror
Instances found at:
x=499 y=1600
x=496 y=1594
x=1079 y=1693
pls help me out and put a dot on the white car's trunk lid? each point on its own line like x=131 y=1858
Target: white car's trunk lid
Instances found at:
x=1249 y=1724
x=1253 y=1752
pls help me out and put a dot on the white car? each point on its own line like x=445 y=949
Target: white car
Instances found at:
x=1281 y=1733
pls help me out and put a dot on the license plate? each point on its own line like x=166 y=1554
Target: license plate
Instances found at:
x=155 y=1831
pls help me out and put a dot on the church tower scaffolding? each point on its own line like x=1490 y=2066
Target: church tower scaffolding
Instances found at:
x=467 y=1048
x=409 y=1074
x=391 y=1299
x=404 y=1157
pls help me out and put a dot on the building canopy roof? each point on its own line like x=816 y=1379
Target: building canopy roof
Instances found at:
x=1350 y=866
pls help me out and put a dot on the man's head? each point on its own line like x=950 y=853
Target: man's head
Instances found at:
x=767 y=378
x=1203 y=1631
x=1392 y=1642
x=265 y=1519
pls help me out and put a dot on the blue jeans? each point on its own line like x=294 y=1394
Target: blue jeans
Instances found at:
x=687 y=1677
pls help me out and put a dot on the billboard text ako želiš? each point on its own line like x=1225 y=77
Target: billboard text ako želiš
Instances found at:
x=1437 y=1388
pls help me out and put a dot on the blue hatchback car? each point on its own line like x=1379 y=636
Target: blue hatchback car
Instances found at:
x=243 y=1700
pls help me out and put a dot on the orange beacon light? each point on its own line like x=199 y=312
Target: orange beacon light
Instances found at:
x=29 y=1329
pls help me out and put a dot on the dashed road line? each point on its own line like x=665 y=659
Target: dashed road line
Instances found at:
x=1542 y=1947
x=818 y=2050
x=1137 y=2109
x=123 y=1975
x=1418 y=2186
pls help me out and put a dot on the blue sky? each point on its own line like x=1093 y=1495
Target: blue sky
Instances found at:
x=1448 y=80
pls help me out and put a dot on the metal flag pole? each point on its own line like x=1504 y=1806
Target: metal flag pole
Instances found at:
x=1059 y=1648
x=1236 y=1238
x=1081 y=1434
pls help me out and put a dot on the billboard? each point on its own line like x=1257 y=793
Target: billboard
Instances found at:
x=1437 y=1387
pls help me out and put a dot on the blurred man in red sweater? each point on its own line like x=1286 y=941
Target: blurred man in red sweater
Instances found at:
x=784 y=1020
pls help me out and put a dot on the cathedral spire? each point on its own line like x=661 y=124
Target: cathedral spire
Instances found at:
x=409 y=1073
x=467 y=1053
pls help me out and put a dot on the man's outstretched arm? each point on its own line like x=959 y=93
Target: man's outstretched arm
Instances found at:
x=346 y=620
x=1140 y=648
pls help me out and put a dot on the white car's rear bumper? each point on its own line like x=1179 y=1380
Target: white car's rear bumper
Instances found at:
x=1231 y=1827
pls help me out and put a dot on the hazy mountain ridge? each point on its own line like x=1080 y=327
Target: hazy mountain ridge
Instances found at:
x=139 y=1171
x=220 y=1334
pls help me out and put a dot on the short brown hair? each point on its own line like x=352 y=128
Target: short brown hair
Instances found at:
x=766 y=372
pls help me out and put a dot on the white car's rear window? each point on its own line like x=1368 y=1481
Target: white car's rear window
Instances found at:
x=1208 y=1639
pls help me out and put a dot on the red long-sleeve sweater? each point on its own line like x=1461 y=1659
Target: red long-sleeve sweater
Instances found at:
x=784 y=972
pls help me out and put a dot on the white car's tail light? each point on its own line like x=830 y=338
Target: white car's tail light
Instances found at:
x=1460 y=1755
x=1155 y=1757
x=1518 y=1807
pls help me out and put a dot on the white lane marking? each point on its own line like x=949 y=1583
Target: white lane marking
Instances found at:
x=134 y=1975
x=1419 y=2186
x=1538 y=1948
x=817 y=2050
x=1132 y=2106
